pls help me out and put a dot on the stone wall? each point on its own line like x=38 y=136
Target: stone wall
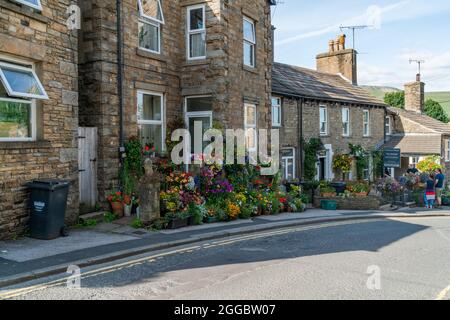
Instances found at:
x=290 y=135
x=353 y=203
x=221 y=75
x=342 y=61
x=44 y=39
x=415 y=96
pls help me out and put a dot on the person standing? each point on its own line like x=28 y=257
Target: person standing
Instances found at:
x=412 y=169
x=430 y=193
x=440 y=183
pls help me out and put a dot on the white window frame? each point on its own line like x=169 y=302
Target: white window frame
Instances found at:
x=250 y=42
x=249 y=126
x=280 y=108
x=388 y=126
x=16 y=94
x=158 y=26
x=447 y=151
x=26 y=3
x=154 y=122
x=346 y=113
x=412 y=162
x=366 y=123
x=33 y=123
x=321 y=122
x=285 y=160
x=196 y=31
x=142 y=13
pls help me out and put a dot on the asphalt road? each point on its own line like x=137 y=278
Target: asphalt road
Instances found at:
x=379 y=259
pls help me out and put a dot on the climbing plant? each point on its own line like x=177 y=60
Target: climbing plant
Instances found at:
x=311 y=149
x=362 y=159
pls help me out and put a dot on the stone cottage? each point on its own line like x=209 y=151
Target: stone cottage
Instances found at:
x=38 y=105
x=324 y=104
x=417 y=135
x=202 y=61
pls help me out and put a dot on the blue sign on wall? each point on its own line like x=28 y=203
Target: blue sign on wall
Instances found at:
x=392 y=158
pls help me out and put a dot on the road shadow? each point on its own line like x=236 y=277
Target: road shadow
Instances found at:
x=369 y=236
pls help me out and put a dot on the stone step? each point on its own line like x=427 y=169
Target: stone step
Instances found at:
x=97 y=216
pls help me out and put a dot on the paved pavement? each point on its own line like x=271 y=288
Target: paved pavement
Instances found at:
x=406 y=258
x=27 y=258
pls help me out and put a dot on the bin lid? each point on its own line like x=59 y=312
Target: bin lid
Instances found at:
x=49 y=184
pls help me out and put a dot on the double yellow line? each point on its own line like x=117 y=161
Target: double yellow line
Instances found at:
x=105 y=270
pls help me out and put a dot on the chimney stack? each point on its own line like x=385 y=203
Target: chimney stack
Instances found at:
x=339 y=60
x=415 y=95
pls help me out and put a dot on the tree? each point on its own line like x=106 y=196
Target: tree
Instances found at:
x=395 y=99
x=434 y=109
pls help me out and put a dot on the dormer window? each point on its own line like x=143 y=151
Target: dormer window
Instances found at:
x=35 y=4
x=152 y=10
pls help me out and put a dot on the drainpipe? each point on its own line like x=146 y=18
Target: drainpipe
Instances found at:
x=300 y=132
x=120 y=72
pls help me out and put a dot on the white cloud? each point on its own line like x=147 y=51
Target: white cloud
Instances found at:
x=402 y=10
x=435 y=71
x=372 y=15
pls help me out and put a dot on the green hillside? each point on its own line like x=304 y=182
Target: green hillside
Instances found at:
x=442 y=97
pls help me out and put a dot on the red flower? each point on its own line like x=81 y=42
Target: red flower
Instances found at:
x=147 y=148
x=283 y=200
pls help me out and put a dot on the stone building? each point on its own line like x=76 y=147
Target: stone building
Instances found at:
x=326 y=105
x=202 y=61
x=38 y=105
x=417 y=135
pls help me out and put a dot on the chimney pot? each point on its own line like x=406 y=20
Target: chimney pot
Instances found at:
x=418 y=77
x=331 y=45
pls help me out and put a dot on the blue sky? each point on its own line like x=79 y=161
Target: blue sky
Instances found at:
x=403 y=29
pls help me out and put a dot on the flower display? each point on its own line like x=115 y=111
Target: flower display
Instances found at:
x=115 y=197
x=233 y=211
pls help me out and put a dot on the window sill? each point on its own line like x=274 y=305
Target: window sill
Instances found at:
x=151 y=55
x=13 y=145
x=26 y=11
x=198 y=62
x=250 y=69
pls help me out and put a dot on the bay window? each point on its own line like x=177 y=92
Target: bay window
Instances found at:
x=151 y=120
x=196 y=32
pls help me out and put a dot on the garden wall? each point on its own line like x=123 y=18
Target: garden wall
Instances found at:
x=353 y=203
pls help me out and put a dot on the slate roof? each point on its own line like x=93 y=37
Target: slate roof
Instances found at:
x=417 y=144
x=307 y=83
x=422 y=119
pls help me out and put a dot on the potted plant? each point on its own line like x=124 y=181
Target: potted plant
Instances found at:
x=177 y=220
x=128 y=205
x=326 y=190
x=359 y=189
x=115 y=199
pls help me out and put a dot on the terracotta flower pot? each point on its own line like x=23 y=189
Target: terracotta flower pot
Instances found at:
x=328 y=195
x=117 y=208
x=361 y=194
